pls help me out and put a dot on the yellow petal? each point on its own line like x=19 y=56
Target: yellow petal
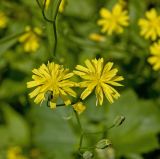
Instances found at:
x=82 y=68
x=40 y=97
x=69 y=91
x=99 y=94
x=88 y=91
x=90 y=66
x=35 y=92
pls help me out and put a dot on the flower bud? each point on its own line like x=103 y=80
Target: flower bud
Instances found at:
x=102 y=144
x=119 y=120
x=79 y=107
x=87 y=155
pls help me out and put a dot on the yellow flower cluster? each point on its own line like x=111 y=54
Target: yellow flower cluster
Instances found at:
x=155 y=56
x=30 y=39
x=150 y=27
x=113 y=21
x=3 y=20
x=55 y=79
x=15 y=153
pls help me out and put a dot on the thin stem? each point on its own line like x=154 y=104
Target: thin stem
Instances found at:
x=51 y=21
x=81 y=141
x=43 y=12
x=90 y=133
x=78 y=120
x=55 y=38
x=55 y=28
x=61 y=105
x=81 y=129
x=99 y=132
x=39 y=4
x=86 y=148
x=56 y=11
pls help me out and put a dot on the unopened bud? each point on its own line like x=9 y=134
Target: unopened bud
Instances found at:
x=102 y=144
x=119 y=120
x=48 y=95
x=87 y=155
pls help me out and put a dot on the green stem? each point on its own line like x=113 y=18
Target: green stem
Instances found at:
x=78 y=120
x=51 y=21
x=55 y=38
x=81 y=130
x=81 y=141
x=43 y=13
x=55 y=28
x=99 y=132
x=87 y=148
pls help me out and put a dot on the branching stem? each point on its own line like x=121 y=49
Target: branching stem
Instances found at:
x=53 y=22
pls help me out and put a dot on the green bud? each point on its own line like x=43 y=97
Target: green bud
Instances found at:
x=48 y=95
x=119 y=120
x=48 y=98
x=87 y=155
x=102 y=144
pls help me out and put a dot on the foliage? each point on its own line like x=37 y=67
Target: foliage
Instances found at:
x=46 y=134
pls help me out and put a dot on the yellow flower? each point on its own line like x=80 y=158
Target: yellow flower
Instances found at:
x=155 y=58
x=15 y=153
x=79 y=107
x=61 y=7
x=96 y=37
x=150 y=27
x=99 y=77
x=113 y=21
x=30 y=39
x=3 y=20
x=54 y=78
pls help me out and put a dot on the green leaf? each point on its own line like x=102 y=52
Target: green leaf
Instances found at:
x=15 y=129
x=7 y=43
x=12 y=88
x=51 y=133
x=138 y=132
x=75 y=8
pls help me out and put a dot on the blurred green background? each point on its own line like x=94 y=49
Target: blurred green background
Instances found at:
x=45 y=134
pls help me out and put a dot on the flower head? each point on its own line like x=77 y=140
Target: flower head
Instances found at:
x=155 y=58
x=54 y=78
x=150 y=26
x=15 y=153
x=3 y=20
x=113 y=21
x=79 y=107
x=30 y=39
x=96 y=37
x=99 y=77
